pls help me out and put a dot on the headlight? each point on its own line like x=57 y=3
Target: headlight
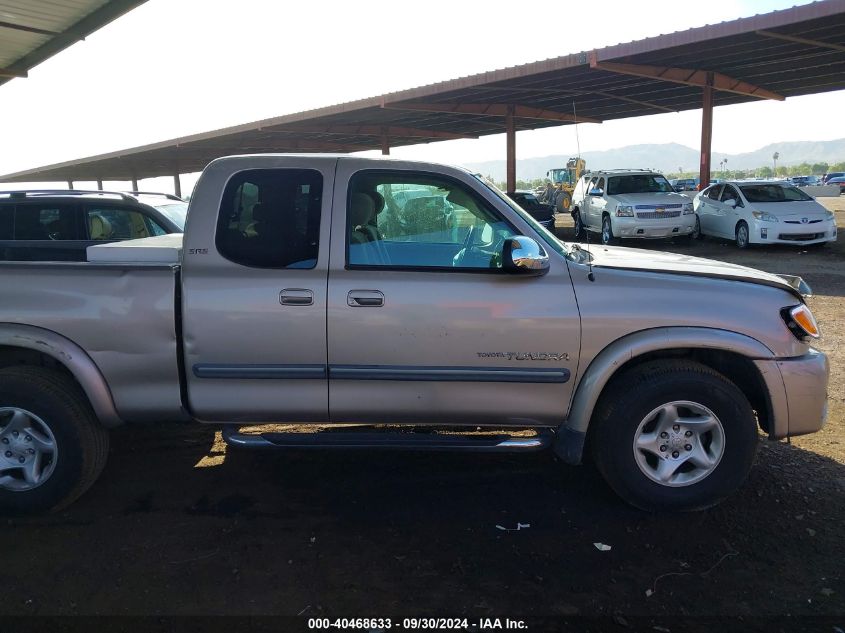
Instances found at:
x=800 y=321
x=688 y=210
x=624 y=211
x=765 y=217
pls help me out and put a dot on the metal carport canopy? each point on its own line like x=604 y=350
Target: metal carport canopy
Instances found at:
x=33 y=30
x=796 y=51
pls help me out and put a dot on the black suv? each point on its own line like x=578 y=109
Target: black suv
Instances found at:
x=543 y=213
x=58 y=225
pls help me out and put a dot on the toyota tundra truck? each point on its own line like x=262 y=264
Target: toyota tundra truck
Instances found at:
x=409 y=302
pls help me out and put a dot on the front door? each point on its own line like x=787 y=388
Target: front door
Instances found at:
x=254 y=302
x=424 y=326
x=597 y=204
x=708 y=207
x=727 y=215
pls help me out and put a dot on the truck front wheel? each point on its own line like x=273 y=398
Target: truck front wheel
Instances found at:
x=562 y=202
x=673 y=435
x=51 y=446
x=579 y=231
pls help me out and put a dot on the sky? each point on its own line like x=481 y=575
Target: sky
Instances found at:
x=176 y=67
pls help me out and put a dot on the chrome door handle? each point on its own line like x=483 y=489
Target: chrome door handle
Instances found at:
x=296 y=297
x=365 y=299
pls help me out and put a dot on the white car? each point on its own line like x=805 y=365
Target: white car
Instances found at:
x=763 y=212
x=630 y=203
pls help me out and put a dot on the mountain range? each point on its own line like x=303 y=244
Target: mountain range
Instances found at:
x=669 y=157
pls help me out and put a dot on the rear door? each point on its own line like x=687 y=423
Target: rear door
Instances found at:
x=424 y=326
x=254 y=292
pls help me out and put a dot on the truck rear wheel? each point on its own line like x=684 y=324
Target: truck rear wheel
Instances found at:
x=51 y=446
x=673 y=435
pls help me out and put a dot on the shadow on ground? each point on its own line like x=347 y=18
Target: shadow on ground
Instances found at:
x=176 y=525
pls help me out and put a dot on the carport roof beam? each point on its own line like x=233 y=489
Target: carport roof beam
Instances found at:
x=647 y=104
x=26 y=29
x=686 y=76
x=801 y=40
x=490 y=109
x=378 y=130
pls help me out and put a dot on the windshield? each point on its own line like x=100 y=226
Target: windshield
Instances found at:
x=176 y=213
x=552 y=242
x=638 y=183
x=773 y=193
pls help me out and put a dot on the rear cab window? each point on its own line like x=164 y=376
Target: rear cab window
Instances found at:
x=270 y=218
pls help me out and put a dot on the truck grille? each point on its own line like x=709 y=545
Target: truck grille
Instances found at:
x=800 y=237
x=654 y=215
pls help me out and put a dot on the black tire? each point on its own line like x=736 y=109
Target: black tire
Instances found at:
x=627 y=402
x=607 y=236
x=82 y=443
x=742 y=235
x=696 y=232
x=579 y=225
x=563 y=202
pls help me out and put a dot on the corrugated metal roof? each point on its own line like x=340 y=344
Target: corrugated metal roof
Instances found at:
x=33 y=30
x=787 y=53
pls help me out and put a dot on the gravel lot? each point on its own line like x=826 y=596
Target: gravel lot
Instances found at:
x=179 y=525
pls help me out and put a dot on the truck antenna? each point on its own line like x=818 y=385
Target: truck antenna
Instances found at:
x=590 y=274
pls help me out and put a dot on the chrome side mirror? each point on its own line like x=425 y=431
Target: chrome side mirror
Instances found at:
x=798 y=283
x=522 y=255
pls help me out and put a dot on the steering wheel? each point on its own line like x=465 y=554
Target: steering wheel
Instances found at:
x=468 y=250
x=458 y=259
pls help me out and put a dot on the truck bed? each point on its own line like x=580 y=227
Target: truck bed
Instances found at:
x=122 y=314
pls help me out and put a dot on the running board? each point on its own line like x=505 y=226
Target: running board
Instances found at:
x=387 y=440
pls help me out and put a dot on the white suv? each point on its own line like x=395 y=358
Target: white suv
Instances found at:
x=630 y=203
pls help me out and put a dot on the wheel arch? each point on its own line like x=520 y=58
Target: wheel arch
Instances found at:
x=30 y=345
x=730 y=353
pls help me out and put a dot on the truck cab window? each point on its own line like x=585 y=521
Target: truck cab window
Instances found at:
x=270 y=218
x=414 y=220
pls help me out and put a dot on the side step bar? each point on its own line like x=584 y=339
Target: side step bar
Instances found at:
x=387 y=440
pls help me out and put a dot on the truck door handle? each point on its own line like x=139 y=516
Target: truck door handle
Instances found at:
x=296 y=297
x=365 y=299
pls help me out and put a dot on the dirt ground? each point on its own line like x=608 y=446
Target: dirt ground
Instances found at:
x=179 y=525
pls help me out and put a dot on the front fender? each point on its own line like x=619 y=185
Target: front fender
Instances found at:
x=569 y=442
x=73 y=358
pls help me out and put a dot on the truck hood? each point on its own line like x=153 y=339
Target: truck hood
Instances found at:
x=651 y=200
x=672 y=263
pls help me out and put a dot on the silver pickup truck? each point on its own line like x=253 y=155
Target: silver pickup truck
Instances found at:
x=402 y=297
